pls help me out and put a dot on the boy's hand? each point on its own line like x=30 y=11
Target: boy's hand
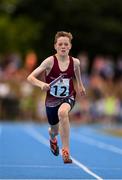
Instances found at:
x=81 y=90
x=45 y=87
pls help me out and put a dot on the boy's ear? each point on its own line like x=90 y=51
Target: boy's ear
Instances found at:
x=55 y=46
x=70 y=46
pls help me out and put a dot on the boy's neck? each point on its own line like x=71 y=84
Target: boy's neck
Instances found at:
x=62 y=58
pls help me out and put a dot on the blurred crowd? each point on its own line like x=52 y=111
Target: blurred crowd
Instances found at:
x=102 y=77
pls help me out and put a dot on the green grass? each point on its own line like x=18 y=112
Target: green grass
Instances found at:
x=114 y=131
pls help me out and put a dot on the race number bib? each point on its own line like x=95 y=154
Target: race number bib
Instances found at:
x=60 y=88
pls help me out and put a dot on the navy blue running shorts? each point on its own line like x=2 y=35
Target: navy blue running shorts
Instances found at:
x=52 y=112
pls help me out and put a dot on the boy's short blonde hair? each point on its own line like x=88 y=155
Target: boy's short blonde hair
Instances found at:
x=63 y=34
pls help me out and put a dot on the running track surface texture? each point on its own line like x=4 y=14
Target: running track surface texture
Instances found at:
x=25 y=153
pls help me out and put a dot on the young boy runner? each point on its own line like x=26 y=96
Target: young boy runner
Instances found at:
x=60 y=97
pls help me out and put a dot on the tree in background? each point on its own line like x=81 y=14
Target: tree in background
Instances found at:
x=31 y=24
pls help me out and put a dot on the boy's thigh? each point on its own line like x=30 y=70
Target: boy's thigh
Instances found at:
x=52 y=115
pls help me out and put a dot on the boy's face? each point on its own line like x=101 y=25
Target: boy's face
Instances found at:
x=63 y=46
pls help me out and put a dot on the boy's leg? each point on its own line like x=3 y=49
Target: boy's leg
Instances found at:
x=53 y=129
x=63 y=114
x=53 y=132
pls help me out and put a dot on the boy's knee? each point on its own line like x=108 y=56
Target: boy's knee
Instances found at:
x=62 y=114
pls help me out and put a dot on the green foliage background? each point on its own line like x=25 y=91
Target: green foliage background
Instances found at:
x=31 y=24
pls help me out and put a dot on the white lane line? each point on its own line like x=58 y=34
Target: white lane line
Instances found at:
x=33 y=166
x=58 y=167
x=93 y=142
x=33 y=133
x=86 y=169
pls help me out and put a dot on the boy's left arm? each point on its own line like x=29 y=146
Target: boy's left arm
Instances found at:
x=81 y=88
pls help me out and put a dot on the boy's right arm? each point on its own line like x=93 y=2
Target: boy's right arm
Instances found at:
x=32 y=78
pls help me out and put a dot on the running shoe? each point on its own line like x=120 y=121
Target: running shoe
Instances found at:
x=65 y=156
x=54 y=147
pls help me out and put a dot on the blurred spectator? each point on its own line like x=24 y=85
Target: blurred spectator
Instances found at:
x=84 y=65
x=118 y=68
x=10 y=65
x=98 y=64
x=29 y=65
x=104 y=66
x=41 y=111
x=9 y=103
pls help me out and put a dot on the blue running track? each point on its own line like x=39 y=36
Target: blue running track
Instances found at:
x=25 y=153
